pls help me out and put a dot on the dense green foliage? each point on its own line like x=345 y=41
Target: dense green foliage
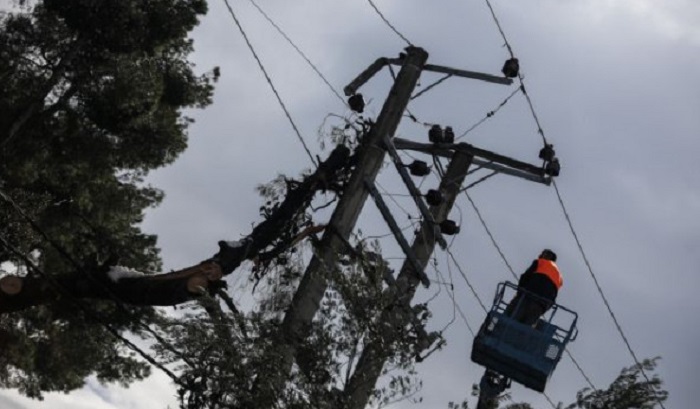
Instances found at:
x=91 y=99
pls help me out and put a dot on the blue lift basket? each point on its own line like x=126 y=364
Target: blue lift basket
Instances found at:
x=523 y=353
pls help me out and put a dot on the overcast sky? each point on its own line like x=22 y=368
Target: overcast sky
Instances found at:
x=614 y=83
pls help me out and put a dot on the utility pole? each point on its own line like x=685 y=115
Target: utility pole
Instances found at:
x=371 y=362
x=370 y=155
x=313 y=284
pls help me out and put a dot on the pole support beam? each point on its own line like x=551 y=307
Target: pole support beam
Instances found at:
x=369 y=367
x=394 y=227
x=314 y=282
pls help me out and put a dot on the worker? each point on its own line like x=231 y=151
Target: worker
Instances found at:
x=540 y=284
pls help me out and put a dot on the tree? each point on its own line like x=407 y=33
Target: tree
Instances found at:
x=91 y=95
x=631 y=389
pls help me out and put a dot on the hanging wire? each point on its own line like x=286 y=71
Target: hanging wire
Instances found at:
x=390 y=196
x=391 y=26
x=515 y=276
x=85 y=309
x=490 y=113
x=466 y=279
x=431 y=86
x=600 y=289
x=269 y=81
x=471 y=185
x=521 y=79
x=301 y=53
x=488 y=232
x=566 y=214
x=462 y=315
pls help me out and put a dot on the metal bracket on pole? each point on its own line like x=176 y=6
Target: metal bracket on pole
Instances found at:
x=413 y=190
x=386 y=213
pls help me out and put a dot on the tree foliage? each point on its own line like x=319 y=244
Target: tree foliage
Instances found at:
x=92 y=95
x=631 y=389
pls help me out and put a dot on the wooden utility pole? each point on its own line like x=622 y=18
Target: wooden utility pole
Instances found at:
x=371 y=362
x=313 y=284
x=370 y=155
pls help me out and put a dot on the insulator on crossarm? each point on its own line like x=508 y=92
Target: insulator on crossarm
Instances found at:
x=449 y=135
x=435 y=134
x=434 y=197
x=547 y=153
x=449 y=227
x=419 y=168
x=553 y=168
x=357 y=103
x=511 y=68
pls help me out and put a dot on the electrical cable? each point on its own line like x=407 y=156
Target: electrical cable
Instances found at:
x=471 y=185
x=600 y=291
x=490 y=114
x=521 y=79
x=391 y=26
x=466 y=280
x=456 y=304
x=269 y=81
x=301 y=53
x=431 y=86
x=566 y=214
x=488 y=232
x=515 y=276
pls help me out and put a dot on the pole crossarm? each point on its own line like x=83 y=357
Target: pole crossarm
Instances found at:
x=468 y=74
x=482 y=157
x=413 y=190
x=396 y=230
x=381 y=62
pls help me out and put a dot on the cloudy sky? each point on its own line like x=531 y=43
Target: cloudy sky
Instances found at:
x=614 y=85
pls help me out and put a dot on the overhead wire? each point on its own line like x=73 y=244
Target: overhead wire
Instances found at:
x=431 y=86
x=489 y=114
x=269 y=81
x=540 y=131
x=600 y=289
x=515 y=276
x=299 y=51
x=388 y=23
x=521 y=78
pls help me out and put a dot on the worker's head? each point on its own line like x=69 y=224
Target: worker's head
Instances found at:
x=548 y=254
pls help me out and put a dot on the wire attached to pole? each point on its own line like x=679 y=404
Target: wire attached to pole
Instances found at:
x=269 y=81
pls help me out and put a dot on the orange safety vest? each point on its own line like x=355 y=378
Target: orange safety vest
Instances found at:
x=550 y=269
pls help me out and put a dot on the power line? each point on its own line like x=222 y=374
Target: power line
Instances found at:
x=600 y=290
x=431 y=86
x=454 y=301
x=490 y=113
x=512 y=272
x=301 y=53
x=466 y=280
x=488 y=232
x=521 y=79
x=269 y=81
x=540 y=130
x=471 y=185
x=391 y=26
